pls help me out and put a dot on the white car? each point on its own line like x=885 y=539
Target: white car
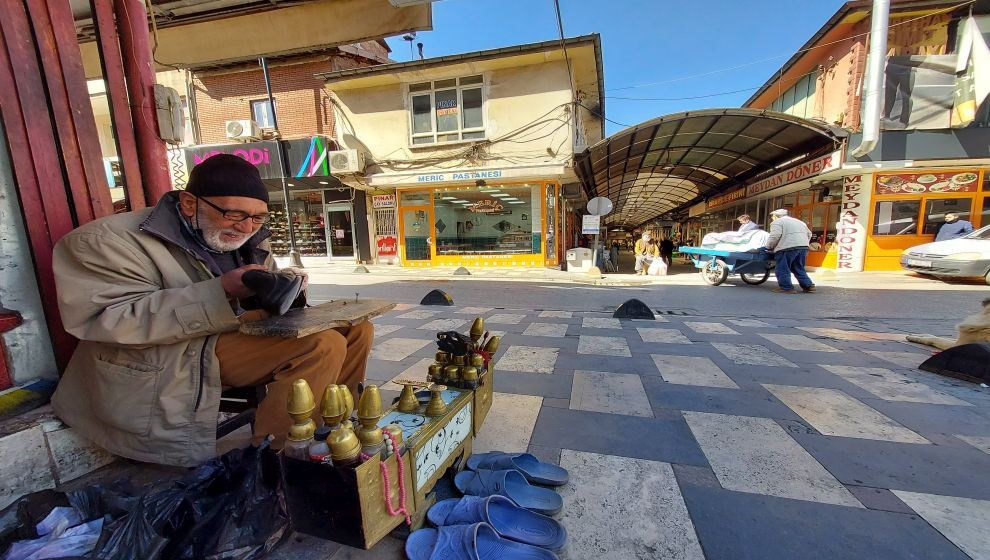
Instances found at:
x=966 y=256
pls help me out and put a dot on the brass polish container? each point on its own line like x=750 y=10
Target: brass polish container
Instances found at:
x=443 y=357
x=301 y=401
x=451 y=373
x=344 y=445
x=436 y=406
x=370 y=405
x=435 y=373
x=331 y=406
x=302 y=431
x=348 y=400
x=477 y=329
x=469 y=376
x=460 y=360
x=492 y=345
x=478 y=361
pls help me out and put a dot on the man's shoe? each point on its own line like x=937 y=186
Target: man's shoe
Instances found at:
x=275 y=293
x=810 y=289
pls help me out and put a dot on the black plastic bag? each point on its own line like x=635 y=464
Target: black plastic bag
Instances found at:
x=130 y=537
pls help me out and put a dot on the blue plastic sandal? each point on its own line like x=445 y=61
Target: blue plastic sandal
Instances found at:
x=511 y=484
x=535 y=471
x=508 y=520
x=469 y=542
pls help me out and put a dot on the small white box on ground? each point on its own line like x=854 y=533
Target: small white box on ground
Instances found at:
x=578 y=260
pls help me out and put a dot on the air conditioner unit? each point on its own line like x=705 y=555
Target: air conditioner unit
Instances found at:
x=346 y=161
x=243 y=130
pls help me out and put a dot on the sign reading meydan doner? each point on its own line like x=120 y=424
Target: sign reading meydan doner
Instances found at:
x=817 y=166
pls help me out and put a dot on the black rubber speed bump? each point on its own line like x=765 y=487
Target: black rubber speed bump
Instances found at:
x=634 y=309
x=970 y=362
x=437 y=297
x=461 y=271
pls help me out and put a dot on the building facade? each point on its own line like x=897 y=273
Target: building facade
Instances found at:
x=466 y=159
x=865 y=211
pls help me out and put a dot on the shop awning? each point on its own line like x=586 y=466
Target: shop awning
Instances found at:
x=665 y=165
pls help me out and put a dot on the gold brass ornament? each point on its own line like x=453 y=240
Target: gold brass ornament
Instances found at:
x=332 y=407
x=435 y=373
x=407 y=399
x=442 y=357
x=348 y=399
x=451 y=374
x=300 y=407
x=469 y=377
x=369 y=413
x=477 y=330
x=492 y=345
x=478 y=361
x=436 y=406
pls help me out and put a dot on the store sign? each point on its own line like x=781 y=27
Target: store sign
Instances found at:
x=851 y=230
x=459 y=176
x=486 y=207
x=725 y=199
x=590 y=225
x=383 y=201
x=934 y=181
x=446 y=107
x=824 y=164
x=305 y=157
x=388 y=245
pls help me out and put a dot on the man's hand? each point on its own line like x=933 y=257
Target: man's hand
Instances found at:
x=234 y=286
x=297 y=272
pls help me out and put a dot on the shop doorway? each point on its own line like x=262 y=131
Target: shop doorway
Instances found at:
x=340 y=231
x=417 y=235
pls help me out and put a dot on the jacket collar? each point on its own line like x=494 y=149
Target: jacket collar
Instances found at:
x=165 y=223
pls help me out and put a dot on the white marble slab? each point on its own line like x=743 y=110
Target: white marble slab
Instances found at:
x=892 y=386
x=614 y=393
x=843 y=334
x=618 y=508
x=415 y=372
x=663 y=336
x=74 y=456
x=418 y=314
x=405 y=306
x=600 y=323
x=396 y=349
x=603 y=346
x=505 y=318
x=799 y=342
x=440 y=325
x=750 y=323
x=909 y=360
x=533 y=359
x=834 y=413
x=382 y=330
x=752 y=354
x=556 y=330
x=963 y=521
x=510 y=423
x=709 y=328
x=757 y=456
x=692 y=370
x=557 y=314
x=24 y=465
x=474 y=310
x=980 y=442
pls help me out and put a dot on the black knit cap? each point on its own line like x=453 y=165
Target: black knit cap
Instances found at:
x=226 y=175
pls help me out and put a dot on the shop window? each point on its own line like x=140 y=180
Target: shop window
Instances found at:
x=935 y=211
x=449 y=110
x=896 y=217
x=799 y=99
x=261 y=113
x=308 y=223
x=488 y=220
x=414 y=198
x=985 y=215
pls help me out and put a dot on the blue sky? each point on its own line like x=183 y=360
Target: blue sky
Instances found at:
x=643 y=42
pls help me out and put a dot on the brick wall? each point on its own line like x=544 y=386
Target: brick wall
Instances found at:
x=302 y=103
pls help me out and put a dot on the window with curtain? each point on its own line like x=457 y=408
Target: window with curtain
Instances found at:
x=799 y=99
x=449 y=110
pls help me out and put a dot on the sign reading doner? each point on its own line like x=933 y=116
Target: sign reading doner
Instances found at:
x=817 y=166
x=590 y=225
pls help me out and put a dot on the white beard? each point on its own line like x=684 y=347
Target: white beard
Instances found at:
x=212 y=234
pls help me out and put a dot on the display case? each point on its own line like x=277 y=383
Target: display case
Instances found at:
x=308 y=224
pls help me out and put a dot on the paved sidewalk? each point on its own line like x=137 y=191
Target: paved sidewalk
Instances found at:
x=693 y=438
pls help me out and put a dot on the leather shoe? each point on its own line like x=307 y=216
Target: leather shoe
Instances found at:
x=274 y=293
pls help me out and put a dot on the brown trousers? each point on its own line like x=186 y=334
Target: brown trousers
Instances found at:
x=338 y=356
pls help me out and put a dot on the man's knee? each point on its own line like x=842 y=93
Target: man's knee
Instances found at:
x=329 y=341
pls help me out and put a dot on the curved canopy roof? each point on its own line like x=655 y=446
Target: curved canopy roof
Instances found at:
x=668 y=163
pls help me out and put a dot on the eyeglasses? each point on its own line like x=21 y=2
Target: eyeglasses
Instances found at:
x=238 y=215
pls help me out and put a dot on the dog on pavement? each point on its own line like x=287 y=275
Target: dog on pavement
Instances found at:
x=975 y=328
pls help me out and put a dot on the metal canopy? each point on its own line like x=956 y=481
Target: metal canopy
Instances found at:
x=667 y=164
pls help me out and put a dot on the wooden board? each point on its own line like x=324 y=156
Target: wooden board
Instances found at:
x=298 y=323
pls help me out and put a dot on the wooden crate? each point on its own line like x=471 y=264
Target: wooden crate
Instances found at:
x=345 y=505
x=483 y=398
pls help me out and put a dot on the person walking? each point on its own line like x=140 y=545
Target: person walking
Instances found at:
x=789 y=240
x=953 y=227
x=667 y=251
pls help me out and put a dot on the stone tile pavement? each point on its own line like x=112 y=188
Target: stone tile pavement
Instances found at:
x=690 y=438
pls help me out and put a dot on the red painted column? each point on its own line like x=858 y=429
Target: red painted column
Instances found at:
x=8 y=321
x=135 y=48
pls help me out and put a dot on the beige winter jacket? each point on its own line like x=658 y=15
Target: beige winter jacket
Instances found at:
x=788 y=233
x=144 y=381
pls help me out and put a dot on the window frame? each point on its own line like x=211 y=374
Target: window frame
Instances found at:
x=461 y=130
x=271 y=112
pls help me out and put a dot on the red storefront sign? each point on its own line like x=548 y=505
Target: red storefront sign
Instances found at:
x=725 y=199
x=388 y=245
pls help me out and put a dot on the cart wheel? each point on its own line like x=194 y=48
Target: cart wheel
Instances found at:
x=714 y=272
x=754 y=278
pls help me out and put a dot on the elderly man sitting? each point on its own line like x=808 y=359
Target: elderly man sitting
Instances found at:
x=646 y=250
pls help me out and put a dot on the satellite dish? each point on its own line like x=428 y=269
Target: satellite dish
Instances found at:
x=599 y=206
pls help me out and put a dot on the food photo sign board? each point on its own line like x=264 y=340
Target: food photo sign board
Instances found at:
x=936 y=181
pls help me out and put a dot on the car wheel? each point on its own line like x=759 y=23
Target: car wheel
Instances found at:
x=987 y=278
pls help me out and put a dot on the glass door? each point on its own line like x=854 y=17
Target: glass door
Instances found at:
x=417 y=234
x=340 y=232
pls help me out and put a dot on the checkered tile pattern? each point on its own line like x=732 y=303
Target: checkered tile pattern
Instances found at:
x=705 y=438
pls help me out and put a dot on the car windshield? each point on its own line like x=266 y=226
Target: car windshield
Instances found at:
x=982 y=233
